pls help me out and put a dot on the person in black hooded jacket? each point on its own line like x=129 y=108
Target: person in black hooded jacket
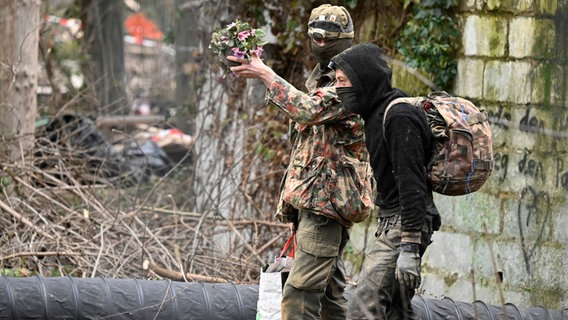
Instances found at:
x=400 y=149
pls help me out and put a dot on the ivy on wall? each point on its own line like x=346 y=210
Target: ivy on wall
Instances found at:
x=430 y=40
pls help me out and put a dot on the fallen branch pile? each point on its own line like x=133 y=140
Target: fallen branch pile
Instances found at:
x=54 y=224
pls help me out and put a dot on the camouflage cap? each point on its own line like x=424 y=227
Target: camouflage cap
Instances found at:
x=330 y=22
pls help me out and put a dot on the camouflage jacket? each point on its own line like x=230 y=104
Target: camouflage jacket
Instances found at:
x=329 y=171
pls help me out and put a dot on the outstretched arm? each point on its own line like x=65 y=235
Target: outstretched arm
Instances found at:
x=316 y=107
x=253 y=69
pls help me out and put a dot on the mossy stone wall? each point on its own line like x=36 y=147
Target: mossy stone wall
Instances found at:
x=508 y=242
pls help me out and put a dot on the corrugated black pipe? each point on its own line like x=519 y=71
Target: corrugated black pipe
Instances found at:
x=101 y=298
x=433 y=309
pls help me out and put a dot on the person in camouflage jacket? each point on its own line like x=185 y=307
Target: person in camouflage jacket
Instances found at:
x=328 y=184
x=329 y=171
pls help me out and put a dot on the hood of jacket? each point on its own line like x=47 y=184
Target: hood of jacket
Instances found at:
x=370 y=75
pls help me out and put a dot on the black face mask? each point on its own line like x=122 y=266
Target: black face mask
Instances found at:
x=349 y=99
x=325 y=53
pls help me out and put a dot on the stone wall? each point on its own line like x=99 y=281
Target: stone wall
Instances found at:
x=508 y=241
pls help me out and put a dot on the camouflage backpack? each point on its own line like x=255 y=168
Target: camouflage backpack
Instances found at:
x=462 y=158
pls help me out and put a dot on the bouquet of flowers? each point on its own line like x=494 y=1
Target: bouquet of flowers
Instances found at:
x=236 y=39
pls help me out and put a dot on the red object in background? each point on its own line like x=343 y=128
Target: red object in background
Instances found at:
x=140 y=27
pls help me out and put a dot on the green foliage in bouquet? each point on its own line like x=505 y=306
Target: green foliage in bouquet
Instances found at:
x=236 y=39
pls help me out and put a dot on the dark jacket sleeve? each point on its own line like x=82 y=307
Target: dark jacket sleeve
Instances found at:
x=407 y=138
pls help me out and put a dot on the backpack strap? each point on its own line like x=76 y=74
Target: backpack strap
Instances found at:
x=415 y=101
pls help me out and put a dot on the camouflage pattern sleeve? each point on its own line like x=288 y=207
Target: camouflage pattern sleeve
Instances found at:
x=317 y=107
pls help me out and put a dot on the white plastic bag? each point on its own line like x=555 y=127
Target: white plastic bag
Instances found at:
x=272 y=279
x=269 y=296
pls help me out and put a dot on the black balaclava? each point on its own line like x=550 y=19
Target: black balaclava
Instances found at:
x=332 y=48
x=348 y=98
x=334 y=24
x=367 y=69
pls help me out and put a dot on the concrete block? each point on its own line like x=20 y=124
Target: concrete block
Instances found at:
x=501 y=136
x=558 y=87
x=541 y=78
x=450 y=249
x=548 y=128
x=433 y=285
x=467 y=214
x=520 y=86
x=532 y=37
x=521 y=37
x=483 y=258
x=497 y=75
x=510 y=6
x=469 y=81
x=549 y=263
x=511 y=219
x=484 y=36
x=498 y=182
x=560 y=225
x=461 y=290
x=510 y=264
x=510 y=81
x=546 y=6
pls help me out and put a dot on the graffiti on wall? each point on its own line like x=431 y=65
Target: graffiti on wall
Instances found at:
x=533 y=213
x=543 y=174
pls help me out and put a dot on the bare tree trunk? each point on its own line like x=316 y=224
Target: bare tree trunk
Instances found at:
x=187 y=30
x=19 y=38
x=189 y=74
x=104 y=42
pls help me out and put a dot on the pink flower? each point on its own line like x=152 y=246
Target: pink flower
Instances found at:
x=238 y=53
x=243 y=35
x=258 y=51
x=252 y=31
x=225 y=40
x=231 y=25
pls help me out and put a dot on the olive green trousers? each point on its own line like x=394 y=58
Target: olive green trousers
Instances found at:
x=316 y=283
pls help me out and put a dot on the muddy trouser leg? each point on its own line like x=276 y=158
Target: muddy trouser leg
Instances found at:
x=378 y=293
x=316 y=284
x=334 y=303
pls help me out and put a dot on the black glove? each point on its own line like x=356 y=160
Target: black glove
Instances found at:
x=408 y=265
